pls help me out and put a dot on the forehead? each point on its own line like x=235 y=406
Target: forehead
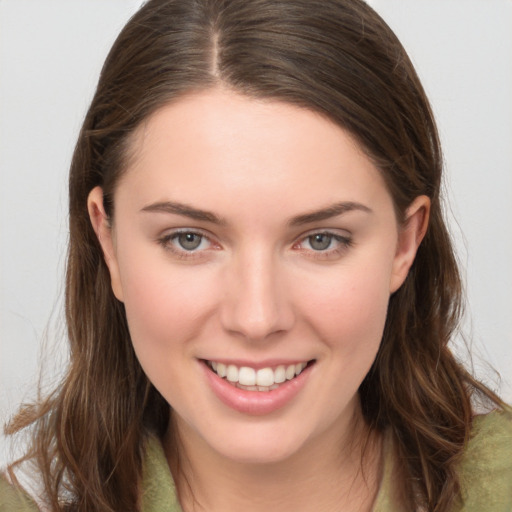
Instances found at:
x=220 y=143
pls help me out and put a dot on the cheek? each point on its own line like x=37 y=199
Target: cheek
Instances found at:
x=165 y=304
x=349 y=317
x=349 y=309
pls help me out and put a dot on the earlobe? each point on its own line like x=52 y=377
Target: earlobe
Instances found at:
x=409 y=239
x=101 y=225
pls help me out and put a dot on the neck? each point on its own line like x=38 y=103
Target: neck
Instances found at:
x=317 y=477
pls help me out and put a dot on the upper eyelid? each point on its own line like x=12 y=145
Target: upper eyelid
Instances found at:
x=334 y=232
x=169 y=233
x=167 y=241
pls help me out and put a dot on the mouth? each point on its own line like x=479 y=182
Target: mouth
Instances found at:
x=262 y=379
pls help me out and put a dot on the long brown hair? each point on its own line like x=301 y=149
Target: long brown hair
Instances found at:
x=339 y=58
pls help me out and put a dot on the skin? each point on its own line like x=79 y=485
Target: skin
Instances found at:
x=256 y=288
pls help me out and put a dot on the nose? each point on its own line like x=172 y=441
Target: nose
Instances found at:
x=256 y=302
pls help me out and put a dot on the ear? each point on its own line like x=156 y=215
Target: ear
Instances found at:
x=104 y=231
x=410 y=235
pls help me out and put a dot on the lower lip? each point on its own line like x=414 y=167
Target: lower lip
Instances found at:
x=255 y=402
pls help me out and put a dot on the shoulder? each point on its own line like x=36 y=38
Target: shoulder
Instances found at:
x=13 y=499
x=158 y=490
x=486 y=467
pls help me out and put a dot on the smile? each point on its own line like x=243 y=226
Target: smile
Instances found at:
x=251 y=379
x=260 y=390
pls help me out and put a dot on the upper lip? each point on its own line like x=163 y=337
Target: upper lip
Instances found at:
x=267 y=363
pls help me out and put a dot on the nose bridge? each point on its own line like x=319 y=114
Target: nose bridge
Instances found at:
x=256 y=304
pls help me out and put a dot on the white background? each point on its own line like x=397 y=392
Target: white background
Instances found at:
x=51 y=52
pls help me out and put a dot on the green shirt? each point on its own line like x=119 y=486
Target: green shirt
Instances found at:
x=486 y=475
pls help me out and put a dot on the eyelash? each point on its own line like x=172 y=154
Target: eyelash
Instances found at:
x=343 y=243
x=167 y=243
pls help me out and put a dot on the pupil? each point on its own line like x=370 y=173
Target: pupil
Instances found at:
x=320 y=241
x=189 y=241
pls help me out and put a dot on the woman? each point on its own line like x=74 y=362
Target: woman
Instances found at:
x=260 y=285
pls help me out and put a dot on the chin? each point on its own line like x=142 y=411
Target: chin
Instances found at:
x=260 y=445
x=259 y=453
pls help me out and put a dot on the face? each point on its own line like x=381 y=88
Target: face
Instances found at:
x=255 y=248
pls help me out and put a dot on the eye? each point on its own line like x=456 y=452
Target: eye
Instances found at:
x=324 y=244
x=185 y=243
x=189 y=241
x=320 y=241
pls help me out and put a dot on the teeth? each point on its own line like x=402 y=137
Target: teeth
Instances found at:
x=221 y=369
x=232 y=373
x=280 y=374
x=264 y=379
x=247 y=376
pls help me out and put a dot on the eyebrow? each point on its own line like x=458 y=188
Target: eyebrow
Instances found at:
x=185 y=210
x=330 y=211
